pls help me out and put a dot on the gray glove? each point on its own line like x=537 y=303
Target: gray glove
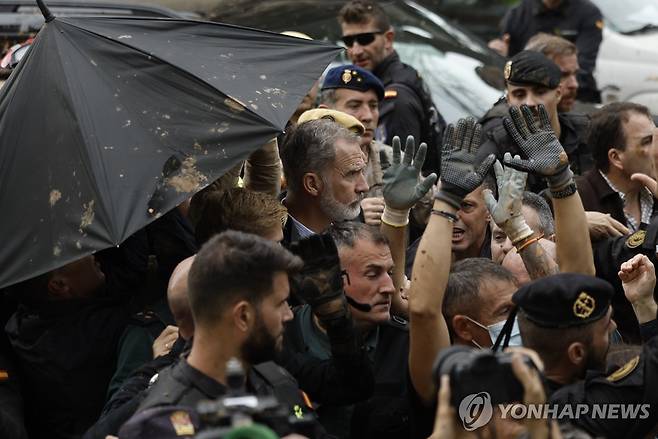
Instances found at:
x=401 y=186
x=459 y=176
x=545 y=154
x=506 y=212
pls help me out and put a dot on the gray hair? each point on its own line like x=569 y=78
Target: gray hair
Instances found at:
x=328 y=96
x=347 y=233
x=539 y=205
x=310 y=147
x=463 y=289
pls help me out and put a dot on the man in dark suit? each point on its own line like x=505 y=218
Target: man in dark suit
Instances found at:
x=623 y=141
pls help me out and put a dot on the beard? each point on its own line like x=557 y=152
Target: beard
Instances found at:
x=336 y=210
x=260 y=346
x=597 y=360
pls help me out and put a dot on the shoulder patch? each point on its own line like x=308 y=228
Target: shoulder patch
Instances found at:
x=388 y=94
x=623 y=371
x=636 y=239
x=182 y=423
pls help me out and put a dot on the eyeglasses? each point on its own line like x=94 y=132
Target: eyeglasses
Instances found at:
x=363 y=39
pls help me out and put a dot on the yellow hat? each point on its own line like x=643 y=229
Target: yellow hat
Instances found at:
x=344 y=119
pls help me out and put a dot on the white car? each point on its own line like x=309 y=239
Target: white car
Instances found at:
x=627 y=65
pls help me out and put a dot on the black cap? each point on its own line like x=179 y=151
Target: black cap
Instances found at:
x=353 y=77
x=564 y=300
x=532 y=68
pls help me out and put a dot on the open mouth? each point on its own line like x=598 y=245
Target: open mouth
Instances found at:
x=457 y=233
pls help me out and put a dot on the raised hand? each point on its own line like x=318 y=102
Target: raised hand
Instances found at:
x=506 y=212
x=402 y=188
x=546 y=156
x=638 y=279
x=320 y=283
x=459 y=175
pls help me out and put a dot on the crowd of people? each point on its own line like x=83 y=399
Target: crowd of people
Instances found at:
x=374 y=272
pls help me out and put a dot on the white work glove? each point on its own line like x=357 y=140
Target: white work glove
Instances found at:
x=506 y=212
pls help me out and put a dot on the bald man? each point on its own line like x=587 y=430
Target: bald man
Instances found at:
x=179 y=304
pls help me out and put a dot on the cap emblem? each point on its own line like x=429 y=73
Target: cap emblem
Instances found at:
x=347 y=76
x=584 y=305
x=508 y=70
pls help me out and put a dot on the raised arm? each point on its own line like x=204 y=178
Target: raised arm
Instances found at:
x=428 y=329
x=547 y=158
x=506 y=213
x=638 y=278
x=262 y=171
x=402 y=190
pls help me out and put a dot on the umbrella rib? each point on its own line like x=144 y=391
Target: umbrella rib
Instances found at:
x=102 y=203
x=164 y=61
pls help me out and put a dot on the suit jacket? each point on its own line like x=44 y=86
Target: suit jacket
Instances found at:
x=598 y=196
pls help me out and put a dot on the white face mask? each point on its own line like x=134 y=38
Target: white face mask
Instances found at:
x=495 y=329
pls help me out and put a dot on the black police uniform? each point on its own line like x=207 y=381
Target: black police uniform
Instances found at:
x=11 y=402
x=67 y=354
x=404 y=110
x=560 y=301
x=609 y=254
x=533 y=68
x=578 y=21
x=184 y=386
x=136 y=343
x=125 y=401
x=632 y=385
x=376 y=412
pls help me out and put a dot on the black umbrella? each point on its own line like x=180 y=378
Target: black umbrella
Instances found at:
x=108 y=123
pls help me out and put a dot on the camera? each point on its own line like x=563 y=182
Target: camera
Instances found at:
x=238 y=409
x=473 y=371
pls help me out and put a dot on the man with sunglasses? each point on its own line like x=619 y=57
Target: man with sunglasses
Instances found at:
x=407 y=107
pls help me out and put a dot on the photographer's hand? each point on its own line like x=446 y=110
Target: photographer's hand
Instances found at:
x=402 y=188
x=446 y=425
x=533 y=394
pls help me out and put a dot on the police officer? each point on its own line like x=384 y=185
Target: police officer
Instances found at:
x=136 y=343
x=407 y=108
x=578 y=21
x=630 y=373
x=609 y=254
x=567 y=319
x=238 y=291
x=533 y=79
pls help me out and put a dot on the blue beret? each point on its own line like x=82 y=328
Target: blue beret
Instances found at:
x=353 y=77
x=564 y=300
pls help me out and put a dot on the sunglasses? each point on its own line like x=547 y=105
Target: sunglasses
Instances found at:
x=363 y=39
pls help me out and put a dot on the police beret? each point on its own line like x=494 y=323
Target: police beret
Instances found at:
x=159 y=422
x=353 y=77
x=564 y=300
x=533 y=68
x=346 y=120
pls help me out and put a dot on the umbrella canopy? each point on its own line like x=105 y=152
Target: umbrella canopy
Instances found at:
x=108 y=123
